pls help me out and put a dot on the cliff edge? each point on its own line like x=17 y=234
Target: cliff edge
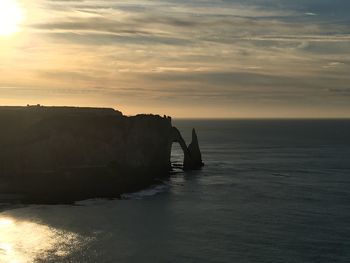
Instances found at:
x=64 y=154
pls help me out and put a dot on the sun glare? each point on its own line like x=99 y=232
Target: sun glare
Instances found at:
x=11 y=16
x=25 y=241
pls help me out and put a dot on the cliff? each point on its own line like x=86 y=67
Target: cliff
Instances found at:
x=63 y=154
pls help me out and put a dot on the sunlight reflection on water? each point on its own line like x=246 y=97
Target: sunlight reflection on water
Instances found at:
x=25 y=241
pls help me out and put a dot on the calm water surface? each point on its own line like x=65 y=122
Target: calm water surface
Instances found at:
x=271 y=191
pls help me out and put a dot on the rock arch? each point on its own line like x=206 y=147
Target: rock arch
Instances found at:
x=192 y=153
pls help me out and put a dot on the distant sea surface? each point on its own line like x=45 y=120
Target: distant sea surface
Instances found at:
x=271 y=191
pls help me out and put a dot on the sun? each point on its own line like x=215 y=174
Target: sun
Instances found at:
x=11 y=16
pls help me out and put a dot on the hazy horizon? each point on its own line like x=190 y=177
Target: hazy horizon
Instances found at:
x=185 y=59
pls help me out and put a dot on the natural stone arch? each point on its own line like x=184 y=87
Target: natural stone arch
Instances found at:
x=192 y=154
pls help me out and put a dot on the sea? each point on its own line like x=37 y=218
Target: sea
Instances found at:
x=270 y=191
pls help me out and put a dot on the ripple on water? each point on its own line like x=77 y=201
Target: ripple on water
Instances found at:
x=24 y=241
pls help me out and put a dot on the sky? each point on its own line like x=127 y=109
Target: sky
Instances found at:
x=194 y=59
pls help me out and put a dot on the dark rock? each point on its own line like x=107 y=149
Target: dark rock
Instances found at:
x=193 y=160
x=63 y=154
x=192 y=153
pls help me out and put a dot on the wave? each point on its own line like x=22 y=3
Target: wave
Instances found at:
x=151 y=191
x=148 y=192
x=92 y=202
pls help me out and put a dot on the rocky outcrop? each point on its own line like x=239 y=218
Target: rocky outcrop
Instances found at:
x=192 y=153
x=193 y=160
x=62 y=154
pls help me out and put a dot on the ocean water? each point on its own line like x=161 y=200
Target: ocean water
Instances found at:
x=271 y=191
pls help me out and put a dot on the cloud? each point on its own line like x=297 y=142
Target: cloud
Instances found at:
x=172 y=23
x=175 y=51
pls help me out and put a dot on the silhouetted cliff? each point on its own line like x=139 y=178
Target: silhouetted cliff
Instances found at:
x=61 y=154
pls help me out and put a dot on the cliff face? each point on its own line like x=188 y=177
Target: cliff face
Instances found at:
x=61 y=154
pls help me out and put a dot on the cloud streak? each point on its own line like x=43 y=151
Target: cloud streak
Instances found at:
x=236 y=56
